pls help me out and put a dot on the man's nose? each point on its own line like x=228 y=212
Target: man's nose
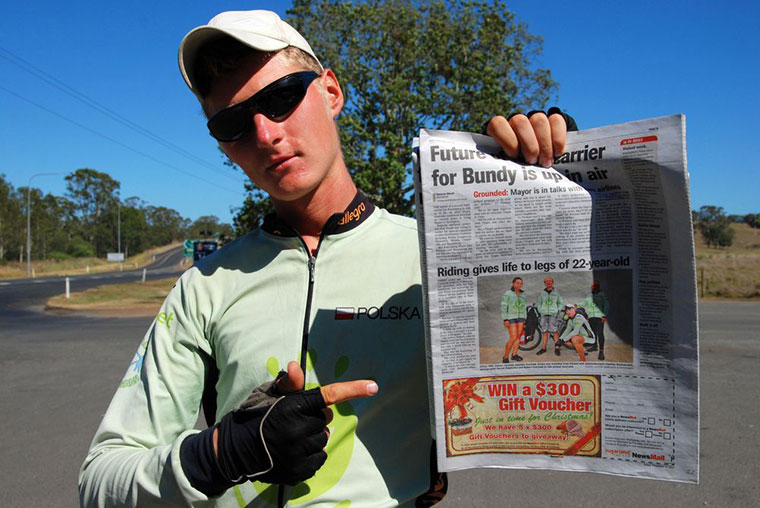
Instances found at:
x=268 y=132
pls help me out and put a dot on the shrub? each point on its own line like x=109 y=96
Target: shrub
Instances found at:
x=79 y=248
x=57 y=255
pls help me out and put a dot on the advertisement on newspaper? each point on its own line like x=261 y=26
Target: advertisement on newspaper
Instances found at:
x=561 y=328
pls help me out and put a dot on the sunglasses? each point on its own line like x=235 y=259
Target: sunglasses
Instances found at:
x=275 y=101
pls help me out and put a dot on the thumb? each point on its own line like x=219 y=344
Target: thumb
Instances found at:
x=293 y=380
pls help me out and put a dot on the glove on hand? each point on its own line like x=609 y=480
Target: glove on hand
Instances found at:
x=271 y=438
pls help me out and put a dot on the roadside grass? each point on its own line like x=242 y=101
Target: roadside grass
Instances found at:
x=116 y=296
x=731 y=272
x=78 y=266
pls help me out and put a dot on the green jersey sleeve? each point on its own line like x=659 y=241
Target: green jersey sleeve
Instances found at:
x=135 y=453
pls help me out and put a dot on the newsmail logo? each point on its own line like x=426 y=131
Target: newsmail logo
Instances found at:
x=395 y=312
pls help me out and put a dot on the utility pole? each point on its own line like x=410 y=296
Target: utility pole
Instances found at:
x=118 y=227
x=29 y=221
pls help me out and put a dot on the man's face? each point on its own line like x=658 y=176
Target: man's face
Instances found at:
x=549 y=283
x=570 y=312
x=291 y=157
x=594 y=287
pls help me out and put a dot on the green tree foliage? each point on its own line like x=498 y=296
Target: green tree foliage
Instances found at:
x=208 y=226
x=80 y=248
x=403 y=65
x=88 y=224
x=255 y=207
x=715 y=226
x=134 y=226
x=753 y=219
x=164 y=225
x=94 y=195
x=51 y=221
x=12 y=226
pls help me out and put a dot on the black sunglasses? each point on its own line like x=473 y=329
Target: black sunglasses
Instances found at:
x=275 y=100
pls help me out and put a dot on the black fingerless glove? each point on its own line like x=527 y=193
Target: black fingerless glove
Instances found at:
x=270 y=439
x=569 y=120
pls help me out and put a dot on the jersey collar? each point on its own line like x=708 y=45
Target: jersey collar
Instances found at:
x=355 y=213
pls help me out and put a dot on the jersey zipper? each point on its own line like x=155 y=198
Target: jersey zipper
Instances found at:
x=311 y=263
x=309 y=295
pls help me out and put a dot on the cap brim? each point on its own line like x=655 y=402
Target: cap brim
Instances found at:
x=195 y=39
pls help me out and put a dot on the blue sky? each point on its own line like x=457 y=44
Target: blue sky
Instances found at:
x=614 y=61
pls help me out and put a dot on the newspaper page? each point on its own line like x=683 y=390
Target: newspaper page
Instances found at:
x=561 y=303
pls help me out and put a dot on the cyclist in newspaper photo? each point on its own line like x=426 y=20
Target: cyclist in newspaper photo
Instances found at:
x=513 y=313
x=578 y=331
x=549 y=306
x=597 y=307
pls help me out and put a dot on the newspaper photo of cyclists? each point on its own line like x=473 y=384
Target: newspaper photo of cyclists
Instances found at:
x=561 y=331
x=541 y=314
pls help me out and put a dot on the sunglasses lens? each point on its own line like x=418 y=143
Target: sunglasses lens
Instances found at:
x=283 y=100
x=229 y=124
x=275 y=101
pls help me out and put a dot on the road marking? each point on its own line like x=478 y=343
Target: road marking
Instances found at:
x=5 y=283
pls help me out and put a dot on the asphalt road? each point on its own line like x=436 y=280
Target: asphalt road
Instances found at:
x=23 y=295
x=57 y=374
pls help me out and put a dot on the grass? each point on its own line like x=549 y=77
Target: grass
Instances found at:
x=78 y=266
x=731 y=272
x=117 y=296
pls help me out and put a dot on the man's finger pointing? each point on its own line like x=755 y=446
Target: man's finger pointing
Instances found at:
x=347 y=390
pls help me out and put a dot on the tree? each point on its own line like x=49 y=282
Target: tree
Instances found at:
x=47 y=222
x=87 y=224
x=255 y=207
x=94 y=195
x=753 y=219
x=164 y=225
x=715 y=226
x=12 y=225
x=208 y=226
x=403 y=65
x=134 y=228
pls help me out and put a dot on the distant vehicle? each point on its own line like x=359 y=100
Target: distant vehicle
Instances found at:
x=203 y=248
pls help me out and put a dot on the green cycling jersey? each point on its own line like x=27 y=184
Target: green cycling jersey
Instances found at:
x=242 y=311
x=549 y=302
x=596 y=305
x=513 y=306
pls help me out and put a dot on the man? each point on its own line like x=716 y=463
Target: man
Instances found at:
x=310 y=285
x=549 y=304
x=597 y=306
x=578 y=331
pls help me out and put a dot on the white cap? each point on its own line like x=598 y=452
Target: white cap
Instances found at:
x=259 y=29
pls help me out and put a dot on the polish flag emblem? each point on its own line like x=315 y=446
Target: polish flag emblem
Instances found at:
x=342 y=313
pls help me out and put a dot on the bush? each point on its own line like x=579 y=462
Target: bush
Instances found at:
x=79 y=248
x=57 y=255
x=715 y=226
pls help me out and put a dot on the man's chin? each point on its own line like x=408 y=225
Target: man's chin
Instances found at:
x=290 y=194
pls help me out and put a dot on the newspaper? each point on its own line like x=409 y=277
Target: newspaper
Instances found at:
x=561 y=303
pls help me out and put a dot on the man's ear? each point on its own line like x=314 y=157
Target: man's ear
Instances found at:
x=333 y=92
